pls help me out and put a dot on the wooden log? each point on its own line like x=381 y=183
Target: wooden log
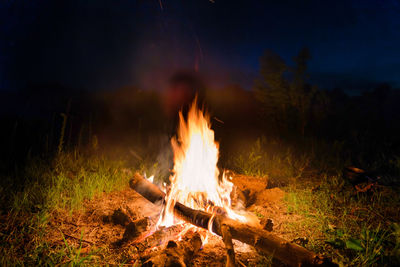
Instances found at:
x=230 y=252
x=283 y=250
x=177 y=254
x=135 y=229
x=158 y=238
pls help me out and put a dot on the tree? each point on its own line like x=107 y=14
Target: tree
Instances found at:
x=286 y=96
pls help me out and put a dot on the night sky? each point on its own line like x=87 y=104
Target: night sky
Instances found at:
x=104 y=44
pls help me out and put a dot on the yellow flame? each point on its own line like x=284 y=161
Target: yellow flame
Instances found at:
x=195 y=180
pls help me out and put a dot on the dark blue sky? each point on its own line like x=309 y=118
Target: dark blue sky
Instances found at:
x=109 y=44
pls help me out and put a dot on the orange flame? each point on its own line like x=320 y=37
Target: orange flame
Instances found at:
x=195 y=181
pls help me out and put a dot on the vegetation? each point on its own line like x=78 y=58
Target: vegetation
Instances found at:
x=49 y=186
x=289 y=101
x=65 y=183
x=354 y=228
x=308 y=135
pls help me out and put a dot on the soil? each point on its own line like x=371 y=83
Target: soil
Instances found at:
x=111 y=227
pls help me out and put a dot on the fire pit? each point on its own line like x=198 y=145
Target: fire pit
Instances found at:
x=199 y=198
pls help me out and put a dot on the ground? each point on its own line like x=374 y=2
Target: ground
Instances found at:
x=77 y=210
x=99 y=226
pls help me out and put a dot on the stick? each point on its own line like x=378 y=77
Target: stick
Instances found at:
x=230 y=252
x=288 y=253
x=74 y=237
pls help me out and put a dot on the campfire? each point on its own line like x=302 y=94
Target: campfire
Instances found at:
x=196 y=180
x=198 y=200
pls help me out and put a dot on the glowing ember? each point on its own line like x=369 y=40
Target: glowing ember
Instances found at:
x=195 y=181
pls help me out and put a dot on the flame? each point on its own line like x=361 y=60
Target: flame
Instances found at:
x=196 y=180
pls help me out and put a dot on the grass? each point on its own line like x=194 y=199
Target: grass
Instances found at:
x=258 y=161
x=61 y=184
x=354 y=229
x=67 y=181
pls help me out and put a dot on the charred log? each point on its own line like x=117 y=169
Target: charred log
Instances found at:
x=133 y=230
x=158 y=238
x=285 y=251
x=176 y=254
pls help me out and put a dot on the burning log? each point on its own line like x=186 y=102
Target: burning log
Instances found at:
x=159 y=237
x=288 y=253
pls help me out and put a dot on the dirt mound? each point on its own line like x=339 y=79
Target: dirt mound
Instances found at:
x=254 y=191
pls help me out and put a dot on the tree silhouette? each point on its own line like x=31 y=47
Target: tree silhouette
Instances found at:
x=287 y=98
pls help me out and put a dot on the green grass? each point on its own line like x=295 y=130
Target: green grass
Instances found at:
x=25 y=245
x=259 y=161
x=63 y=183
x=67 y=181
x=354 y=229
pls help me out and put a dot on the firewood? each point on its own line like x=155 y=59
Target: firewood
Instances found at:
x=269 y=225
x=176 y=253
x=158 y=238
x=230 y=252
x=285 y=251
x=133 y=230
